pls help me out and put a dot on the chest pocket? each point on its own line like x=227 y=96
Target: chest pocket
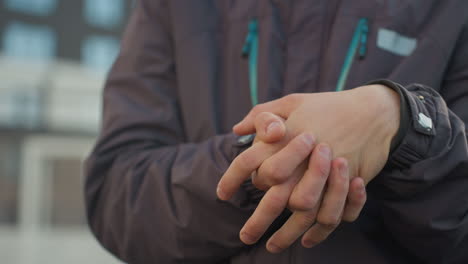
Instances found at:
x=396 y=35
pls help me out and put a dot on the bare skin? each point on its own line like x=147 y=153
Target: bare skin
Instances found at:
x=316 y=162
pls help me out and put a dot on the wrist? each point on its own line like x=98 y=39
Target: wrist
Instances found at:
x=405 y=115
x=384 y=103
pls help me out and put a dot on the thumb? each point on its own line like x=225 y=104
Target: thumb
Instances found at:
x=269 y=127
x=281 y=107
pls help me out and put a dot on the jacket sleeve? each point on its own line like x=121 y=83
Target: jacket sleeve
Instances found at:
x=151 y=196
x=423 y=190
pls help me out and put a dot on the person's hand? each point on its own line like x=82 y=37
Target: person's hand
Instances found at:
x=379 y=117
x=358 y=124
x=310 y=199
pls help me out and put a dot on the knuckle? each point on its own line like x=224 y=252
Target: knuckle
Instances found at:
x=304 y=201
x=245 y=162
x=264 y=117
x=329 y=222
x=272 y=173
x=260 y=121
x=257 y=109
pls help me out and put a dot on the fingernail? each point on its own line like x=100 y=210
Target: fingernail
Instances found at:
x=308 y=243
x=344 y=169
x=247 y=239
x=308 y=139
x=220 y=193
x=271 y=127
x=325 y=151
x=362 y=188
x=274 y=248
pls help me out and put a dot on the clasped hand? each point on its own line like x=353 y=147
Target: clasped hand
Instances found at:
x=313 y=154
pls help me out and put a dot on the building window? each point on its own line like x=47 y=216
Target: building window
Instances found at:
x=99 y=52
x=34 y=7
x=104 y=13
x=29 y=42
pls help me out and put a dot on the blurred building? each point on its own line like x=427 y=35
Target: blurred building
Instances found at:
x=54 y=55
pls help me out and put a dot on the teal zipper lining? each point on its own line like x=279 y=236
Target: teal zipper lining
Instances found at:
x=250 y=50
x=359 y=41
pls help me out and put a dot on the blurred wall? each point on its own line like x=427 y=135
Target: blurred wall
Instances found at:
x=54 y=55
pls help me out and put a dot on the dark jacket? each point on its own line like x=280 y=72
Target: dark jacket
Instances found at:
x=180 y=83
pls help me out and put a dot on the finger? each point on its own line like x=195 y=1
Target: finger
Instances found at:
x=269 y=127
x=281 y=107
x=258 y=184
x=241 y=168
x=356 y=200
x=279 y=167
x=269 y=208
x=295 y=226
x=331 y=209
x=308 y=191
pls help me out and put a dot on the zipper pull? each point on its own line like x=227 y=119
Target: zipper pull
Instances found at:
x=252 y=34
x=358 y=45
x=364 y=36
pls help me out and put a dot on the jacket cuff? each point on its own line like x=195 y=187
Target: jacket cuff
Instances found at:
x=420 y=115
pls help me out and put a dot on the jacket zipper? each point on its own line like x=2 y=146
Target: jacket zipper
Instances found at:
x=359 y=42
x=250 y=51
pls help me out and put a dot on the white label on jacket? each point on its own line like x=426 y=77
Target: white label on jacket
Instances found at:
x=395 y=43
x=425 y=121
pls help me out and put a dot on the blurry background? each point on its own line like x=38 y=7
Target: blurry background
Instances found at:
x=54 y=55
